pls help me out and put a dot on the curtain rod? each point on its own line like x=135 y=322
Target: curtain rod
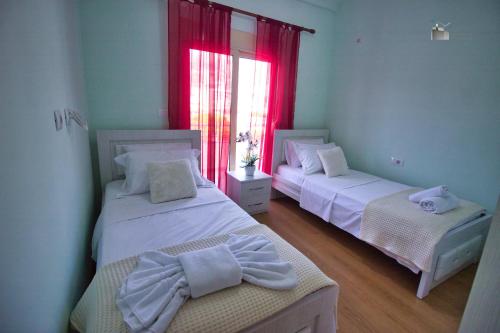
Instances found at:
x=257 y=16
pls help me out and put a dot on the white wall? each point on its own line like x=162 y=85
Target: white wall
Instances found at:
x=45 y=176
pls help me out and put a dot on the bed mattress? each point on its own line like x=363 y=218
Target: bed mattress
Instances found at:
x=342 y=200
x=352 y=194
x=131 y=225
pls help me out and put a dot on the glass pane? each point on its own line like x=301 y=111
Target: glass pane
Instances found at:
x=253 y=88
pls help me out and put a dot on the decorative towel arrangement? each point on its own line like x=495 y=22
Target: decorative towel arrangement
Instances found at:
x=439 y=205
x=435 y=200
x=160 y=284
x=226 y=311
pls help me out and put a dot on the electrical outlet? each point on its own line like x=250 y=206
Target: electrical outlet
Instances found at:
x=397 y=162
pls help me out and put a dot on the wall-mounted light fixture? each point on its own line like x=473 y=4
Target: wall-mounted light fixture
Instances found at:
x=439 y=31
x=77 y=117
x=58 y=119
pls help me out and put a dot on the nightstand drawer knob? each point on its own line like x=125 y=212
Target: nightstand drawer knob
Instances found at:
x=257 y=204
x=256 y=188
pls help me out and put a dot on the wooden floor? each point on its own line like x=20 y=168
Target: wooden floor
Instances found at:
x=376 y=293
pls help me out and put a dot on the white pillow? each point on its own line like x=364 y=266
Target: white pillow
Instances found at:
x=171 y=181
x=123 y=149
x=135 y=166
x=308 y=156
x=164 y=146
x=334 y=162
x=291 y=155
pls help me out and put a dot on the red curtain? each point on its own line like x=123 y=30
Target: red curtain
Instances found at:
x=277 y=44
x=199 y=79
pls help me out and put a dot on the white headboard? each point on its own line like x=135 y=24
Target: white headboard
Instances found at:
x=107 y=140
x=281 y=135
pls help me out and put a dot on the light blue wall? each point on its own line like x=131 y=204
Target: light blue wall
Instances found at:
x=123 y=66
x=46 y=185
x=122 y=54
x=123 y=48
x=434 y=104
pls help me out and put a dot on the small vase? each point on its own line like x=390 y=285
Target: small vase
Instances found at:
x=250 y=170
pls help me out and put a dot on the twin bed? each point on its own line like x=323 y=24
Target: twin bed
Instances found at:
x=343 y=200
x=131 y=225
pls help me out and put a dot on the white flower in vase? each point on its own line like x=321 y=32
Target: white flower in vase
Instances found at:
x=250 y=157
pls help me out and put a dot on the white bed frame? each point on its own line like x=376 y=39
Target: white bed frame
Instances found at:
x=459 y=248
x=107 y=140
x=315 y=313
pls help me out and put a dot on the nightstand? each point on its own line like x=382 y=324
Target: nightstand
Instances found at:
x=250 y=193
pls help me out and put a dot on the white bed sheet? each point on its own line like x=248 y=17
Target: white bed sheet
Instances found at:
x=132 y=225
x=350 y=202
x=342 y=200
x=294 y=175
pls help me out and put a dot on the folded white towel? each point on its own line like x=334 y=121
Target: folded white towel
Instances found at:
x=210 y=270
x=439 y=205
x=154 y=291
x=438 y=191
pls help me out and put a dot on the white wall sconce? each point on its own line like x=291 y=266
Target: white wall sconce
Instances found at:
x=439 y=32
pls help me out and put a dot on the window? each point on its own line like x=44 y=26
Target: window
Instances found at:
x=251 y=109
x=238 y=83
x=250 y=98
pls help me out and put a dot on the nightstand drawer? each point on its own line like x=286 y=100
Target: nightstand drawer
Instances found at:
x=250 y=193
x=255 y=189
x=255 y=206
